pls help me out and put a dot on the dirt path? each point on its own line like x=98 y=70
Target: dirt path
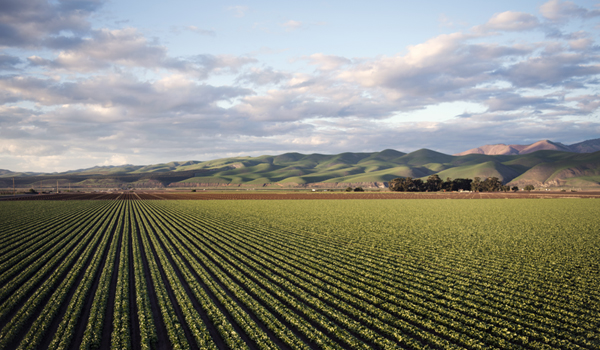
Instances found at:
x=249 y=195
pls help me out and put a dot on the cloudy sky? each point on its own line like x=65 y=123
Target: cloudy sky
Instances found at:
x=93 y=82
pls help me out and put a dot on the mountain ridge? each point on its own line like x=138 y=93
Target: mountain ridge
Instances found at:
x=588 y=146
x=542 y=168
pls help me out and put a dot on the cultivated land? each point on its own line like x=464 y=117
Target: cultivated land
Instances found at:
x=473 y=274
x=285 y=195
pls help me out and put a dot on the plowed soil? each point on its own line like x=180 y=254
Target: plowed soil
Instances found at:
x=302 y=195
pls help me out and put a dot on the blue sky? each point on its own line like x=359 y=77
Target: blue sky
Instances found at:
x=92 y=82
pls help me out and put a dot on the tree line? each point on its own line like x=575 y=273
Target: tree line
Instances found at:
x=435 y=184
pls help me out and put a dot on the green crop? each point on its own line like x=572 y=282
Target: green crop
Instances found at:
x=331 y=274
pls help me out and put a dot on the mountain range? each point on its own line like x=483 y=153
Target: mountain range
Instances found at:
x=588 y=146
x=542 y=168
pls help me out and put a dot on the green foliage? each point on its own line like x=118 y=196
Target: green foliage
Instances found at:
x=407 y=184
x=529 y=188
x=268 y=274
x=433 y=184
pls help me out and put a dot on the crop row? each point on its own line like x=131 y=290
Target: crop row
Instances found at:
x=200 y=275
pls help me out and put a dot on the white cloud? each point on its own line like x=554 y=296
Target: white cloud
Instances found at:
x=327 y=62
x=292 y=25
x=260 y=76
x=129 y=48
x=238 y=10
x=510 y=21
x=116 y=159
x=561 y=11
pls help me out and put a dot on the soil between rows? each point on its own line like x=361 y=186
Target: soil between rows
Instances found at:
x=251 y=195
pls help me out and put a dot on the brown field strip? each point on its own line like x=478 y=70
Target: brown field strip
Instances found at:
x=298 y=196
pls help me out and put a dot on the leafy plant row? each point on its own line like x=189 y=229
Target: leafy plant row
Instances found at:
x=121 y=332
x=148 y=337
x=56 y=286
x=375 y=288
x=430 y=299
x=225 y=328
x=279 y=303
x=92 y=335
x=63 y=335
x=21 y=267
x=261 y=275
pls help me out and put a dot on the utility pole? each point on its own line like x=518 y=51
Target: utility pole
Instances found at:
x=14 y=187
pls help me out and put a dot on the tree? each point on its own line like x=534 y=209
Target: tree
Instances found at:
x=401 y=184
x=491 y=184
x=529 y=188
x=515 y=188
x=394 y=185
x=448 y=185
x=476 y=184
x=348 y=189
x=434 y=183
x=359 y=189
x=407 y=184
x=462 y=184
x=417 y=186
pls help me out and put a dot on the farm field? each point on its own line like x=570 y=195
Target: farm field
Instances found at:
x=285 y=195
x=309 y=274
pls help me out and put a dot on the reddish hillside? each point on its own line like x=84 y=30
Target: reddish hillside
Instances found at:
x=502 y=149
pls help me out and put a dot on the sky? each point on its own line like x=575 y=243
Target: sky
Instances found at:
x=93 y=82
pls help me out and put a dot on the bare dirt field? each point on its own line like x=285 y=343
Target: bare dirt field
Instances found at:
x=208 y=195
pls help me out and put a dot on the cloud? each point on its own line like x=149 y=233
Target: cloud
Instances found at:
x=8 y=62
x=116 y=159
x=221 y=63
x=201 y=31
x=97 y=94
x=327 y=62
x=561 y=11
x=292 y=25
x=129 y=48
x=260 y=76
x=510 y=21
x=29 y=23
x=507 y=101
x=120 y=93
x=126 y=47
x=238 y=10
x=438 y=67
x=552 y=70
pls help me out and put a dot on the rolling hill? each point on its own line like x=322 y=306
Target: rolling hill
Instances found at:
x=543 y=168
x=588 y=146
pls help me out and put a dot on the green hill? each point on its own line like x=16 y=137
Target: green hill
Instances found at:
x=541 y=168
